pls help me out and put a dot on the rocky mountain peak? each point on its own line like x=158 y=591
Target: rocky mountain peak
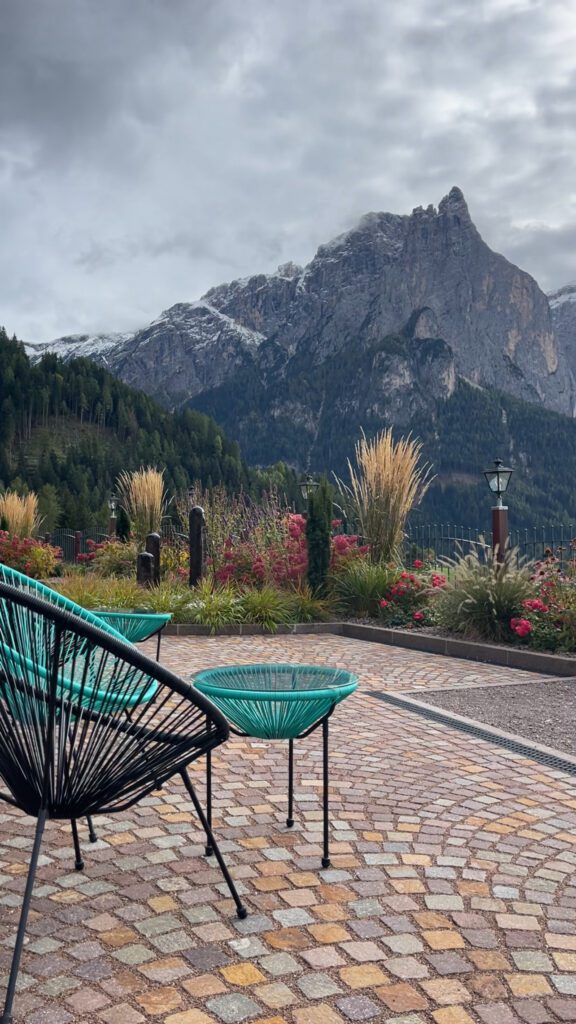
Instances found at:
x=383 y=322
x=454 y=203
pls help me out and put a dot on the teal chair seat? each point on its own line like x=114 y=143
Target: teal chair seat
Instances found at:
x=135 y=626
x=275 y=701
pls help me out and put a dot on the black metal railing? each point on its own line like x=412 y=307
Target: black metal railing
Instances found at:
x=435 y=541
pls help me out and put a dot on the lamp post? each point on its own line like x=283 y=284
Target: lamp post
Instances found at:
x=498 y=478
x=112 y=521
x=307 y=487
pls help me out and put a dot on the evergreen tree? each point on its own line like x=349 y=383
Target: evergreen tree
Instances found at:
x=318 y=533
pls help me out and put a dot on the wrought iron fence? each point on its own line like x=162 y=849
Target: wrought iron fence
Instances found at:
x=74 y=542
x=427 y=541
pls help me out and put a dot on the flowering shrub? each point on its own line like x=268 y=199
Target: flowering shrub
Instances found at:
x=110 y=557
x=550 y=619
x=280 y=561
x=407 y=601
x=28 y=555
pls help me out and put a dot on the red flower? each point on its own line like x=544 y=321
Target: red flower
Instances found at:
x=418 y=616
x=384 y=603
x=417 y=563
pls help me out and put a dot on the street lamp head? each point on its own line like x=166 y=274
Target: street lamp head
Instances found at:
x=112 y=504
x=498 y=478
x=307 y=486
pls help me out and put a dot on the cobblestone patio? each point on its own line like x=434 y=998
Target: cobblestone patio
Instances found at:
x=451 y=898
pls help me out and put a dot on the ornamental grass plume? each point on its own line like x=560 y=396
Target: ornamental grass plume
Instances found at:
x=388 y=481
x=19 y=515
x=143 y=497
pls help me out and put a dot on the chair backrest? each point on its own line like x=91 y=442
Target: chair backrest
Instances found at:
x=67 y=743
x=31 y=586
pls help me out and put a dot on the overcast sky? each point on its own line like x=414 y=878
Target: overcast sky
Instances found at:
x=150 y=149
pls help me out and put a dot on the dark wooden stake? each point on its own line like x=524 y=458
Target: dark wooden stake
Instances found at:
x=196 y=523
x=145 y=569
x=77 y=544
x=153 y=545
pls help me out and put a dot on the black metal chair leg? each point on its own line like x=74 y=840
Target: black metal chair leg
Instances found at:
x=209 y=849
x=79 y=863
x=290 y=818
x=326 y=857
x=158 y=644
x=6 y=1017
x=91 y=831
x=241 y=909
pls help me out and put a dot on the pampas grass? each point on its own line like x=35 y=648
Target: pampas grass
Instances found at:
x=388 y=481
x=20 y=515
x=143 y=498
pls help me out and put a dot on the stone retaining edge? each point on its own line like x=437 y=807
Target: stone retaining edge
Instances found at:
x=508 y=657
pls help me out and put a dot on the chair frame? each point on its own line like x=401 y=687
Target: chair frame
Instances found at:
x=44 y=805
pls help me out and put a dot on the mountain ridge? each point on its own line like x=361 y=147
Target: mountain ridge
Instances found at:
x=417 y=301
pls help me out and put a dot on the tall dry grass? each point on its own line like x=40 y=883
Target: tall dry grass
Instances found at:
x=143 y=497
x=20 y=514
x=388 y=481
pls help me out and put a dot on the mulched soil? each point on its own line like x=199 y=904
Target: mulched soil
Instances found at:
x=542 y=711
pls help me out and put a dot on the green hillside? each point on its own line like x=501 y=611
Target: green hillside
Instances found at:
x=68 y=429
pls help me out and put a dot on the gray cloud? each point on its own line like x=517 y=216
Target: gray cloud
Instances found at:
x=151 y=149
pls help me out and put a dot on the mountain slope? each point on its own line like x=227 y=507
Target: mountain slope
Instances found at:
x=73 y=428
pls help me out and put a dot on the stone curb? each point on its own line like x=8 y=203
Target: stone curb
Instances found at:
x=508 y=657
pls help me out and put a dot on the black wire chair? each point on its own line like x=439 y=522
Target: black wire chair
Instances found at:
x=76 y=736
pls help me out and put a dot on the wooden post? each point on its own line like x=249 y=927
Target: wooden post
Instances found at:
x=77 y=544
x=145 y=569
x=46 y=538
x=499 y=531
x=196 y=523
x=112 y=521
x=153 y=545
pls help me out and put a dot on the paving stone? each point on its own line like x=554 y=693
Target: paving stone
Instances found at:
x=406 y=967
x=449 y=963
x=565 y=1009
x=317 y=985
x=159 y=1000
x=276 y=995
x=362 y=976
x=233 y=1008
x=321 y=1013
x=358 y=1008
x=401 y=997
x=278 y=964
x=532 y=1012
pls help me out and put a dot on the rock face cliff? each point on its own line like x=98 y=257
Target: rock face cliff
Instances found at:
x=384 y=321
x=563 y=306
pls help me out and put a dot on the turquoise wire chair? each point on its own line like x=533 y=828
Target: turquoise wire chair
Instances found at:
x=96 y=683
x=278 y=701
x=68 y=751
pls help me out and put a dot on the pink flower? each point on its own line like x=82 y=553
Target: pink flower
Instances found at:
x=418 y=616
x=417 y=563
x=522 y=627
x=384 y=603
